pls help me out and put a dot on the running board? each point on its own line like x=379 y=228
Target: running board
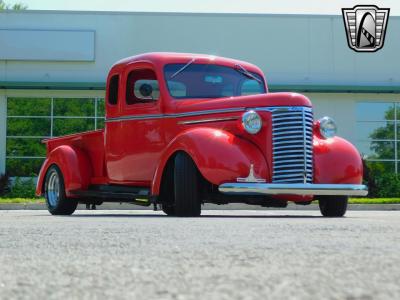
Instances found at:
x=112 y=193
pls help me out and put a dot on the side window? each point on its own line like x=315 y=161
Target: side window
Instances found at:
x=227 y=90
x=142 y=86
x=113 y=90
x=251 y=87
x=176 y=88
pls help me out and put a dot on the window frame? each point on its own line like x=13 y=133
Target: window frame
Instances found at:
x=236 y=88
x=115 y=93
x=51 y=116
x=139 y=101
x=395 y=140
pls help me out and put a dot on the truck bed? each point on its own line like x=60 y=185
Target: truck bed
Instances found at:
x=91 y=142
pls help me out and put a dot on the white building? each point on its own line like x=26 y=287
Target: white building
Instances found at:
x=54 y=61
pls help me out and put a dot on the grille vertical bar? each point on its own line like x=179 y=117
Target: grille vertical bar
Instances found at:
x=292 y=142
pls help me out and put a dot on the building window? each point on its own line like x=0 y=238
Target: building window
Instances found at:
x=378 y=134
x=30 y=120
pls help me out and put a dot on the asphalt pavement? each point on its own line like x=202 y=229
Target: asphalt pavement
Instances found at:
x=263 y=254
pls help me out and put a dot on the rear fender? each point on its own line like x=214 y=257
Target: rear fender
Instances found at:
x=219 y=155
x=336 y=161
x=74 y=165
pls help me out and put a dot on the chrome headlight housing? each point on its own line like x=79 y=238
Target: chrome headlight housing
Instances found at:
x=251 y=122
x=327 y=127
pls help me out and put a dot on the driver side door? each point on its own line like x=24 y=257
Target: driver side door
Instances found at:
x=141 y=131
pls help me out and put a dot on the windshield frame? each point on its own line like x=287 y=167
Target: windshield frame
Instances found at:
x=186 y=65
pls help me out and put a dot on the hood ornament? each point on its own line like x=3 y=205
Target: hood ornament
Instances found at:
x=251 y=177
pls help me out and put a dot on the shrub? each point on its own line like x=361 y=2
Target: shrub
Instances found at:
x=4 y=184
x=388 y=185
x=22 y=188
x=381 y=182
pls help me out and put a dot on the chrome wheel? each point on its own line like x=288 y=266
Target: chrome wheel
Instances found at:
x=53 y=188
x=57 y=202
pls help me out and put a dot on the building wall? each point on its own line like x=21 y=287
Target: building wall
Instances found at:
x=342 y=107
x=45 y=58
x=291 y=49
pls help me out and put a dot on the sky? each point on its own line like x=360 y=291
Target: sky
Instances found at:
x=330 y=7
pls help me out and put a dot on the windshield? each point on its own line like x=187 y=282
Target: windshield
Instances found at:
x=193 y=80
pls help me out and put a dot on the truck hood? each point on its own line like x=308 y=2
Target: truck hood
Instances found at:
x=261 y=100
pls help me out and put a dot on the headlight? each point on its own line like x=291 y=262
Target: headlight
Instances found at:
x=327 y=127
x=251 y=121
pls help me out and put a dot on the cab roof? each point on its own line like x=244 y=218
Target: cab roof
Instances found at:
x=159 y=59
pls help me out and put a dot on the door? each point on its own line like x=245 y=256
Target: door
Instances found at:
x=113 y=150
x=141 y=125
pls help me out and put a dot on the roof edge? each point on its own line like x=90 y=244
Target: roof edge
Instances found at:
x=16 y=85
x=172 y=13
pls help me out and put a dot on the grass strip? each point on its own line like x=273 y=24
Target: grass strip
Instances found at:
x=374 y=200
x=21 y=200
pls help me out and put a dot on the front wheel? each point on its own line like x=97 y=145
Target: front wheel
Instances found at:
x=169 y=210
x=333 y=206
x=186 y=183
x=54 y=192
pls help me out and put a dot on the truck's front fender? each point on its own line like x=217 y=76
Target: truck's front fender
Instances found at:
x=219 y=155
x=74 y=165
x=336 y=161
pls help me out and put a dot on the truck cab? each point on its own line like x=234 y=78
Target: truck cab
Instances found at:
x=186 y=129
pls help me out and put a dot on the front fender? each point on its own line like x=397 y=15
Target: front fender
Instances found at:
x=336 y=161
x=219 y=155
x=74 y=165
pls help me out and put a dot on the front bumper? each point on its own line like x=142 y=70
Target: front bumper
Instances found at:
x=253 y=189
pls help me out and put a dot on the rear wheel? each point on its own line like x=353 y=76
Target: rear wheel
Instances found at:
x=186 y=187
x=54 y=192
x=333 y=206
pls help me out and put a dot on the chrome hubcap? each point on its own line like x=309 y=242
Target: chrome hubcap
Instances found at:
x=53 y=189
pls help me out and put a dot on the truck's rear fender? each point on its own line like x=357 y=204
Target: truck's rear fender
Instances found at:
x=74 y=164
x=336 y=161
x=219 y=155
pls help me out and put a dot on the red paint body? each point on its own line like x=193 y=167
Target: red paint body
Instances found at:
x=135 y=152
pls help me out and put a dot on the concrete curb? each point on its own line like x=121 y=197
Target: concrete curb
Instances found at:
x=125 y=206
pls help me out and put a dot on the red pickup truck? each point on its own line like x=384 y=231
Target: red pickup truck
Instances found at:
x=186 y=129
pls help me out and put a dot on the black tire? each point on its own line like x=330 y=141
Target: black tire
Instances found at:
x=333 y=206
x=167 y=197
x=168 y=209
x=54 y=192
x=186 y=183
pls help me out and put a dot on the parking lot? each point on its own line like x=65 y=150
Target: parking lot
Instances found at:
x=276 y=254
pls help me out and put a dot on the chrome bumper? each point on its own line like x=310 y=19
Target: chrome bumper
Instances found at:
x=238 y=188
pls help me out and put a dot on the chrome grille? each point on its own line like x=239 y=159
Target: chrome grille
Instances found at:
x=292 y=134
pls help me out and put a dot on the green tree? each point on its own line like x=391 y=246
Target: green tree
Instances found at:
x=384 y=150
x=382 y=145
x=16 y=6
x=379 y=175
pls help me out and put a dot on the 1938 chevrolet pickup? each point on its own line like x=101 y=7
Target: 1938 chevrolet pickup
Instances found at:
x=187 y=129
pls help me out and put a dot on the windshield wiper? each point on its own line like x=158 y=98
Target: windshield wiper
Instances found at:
x=246 y=73
x=183 y=68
